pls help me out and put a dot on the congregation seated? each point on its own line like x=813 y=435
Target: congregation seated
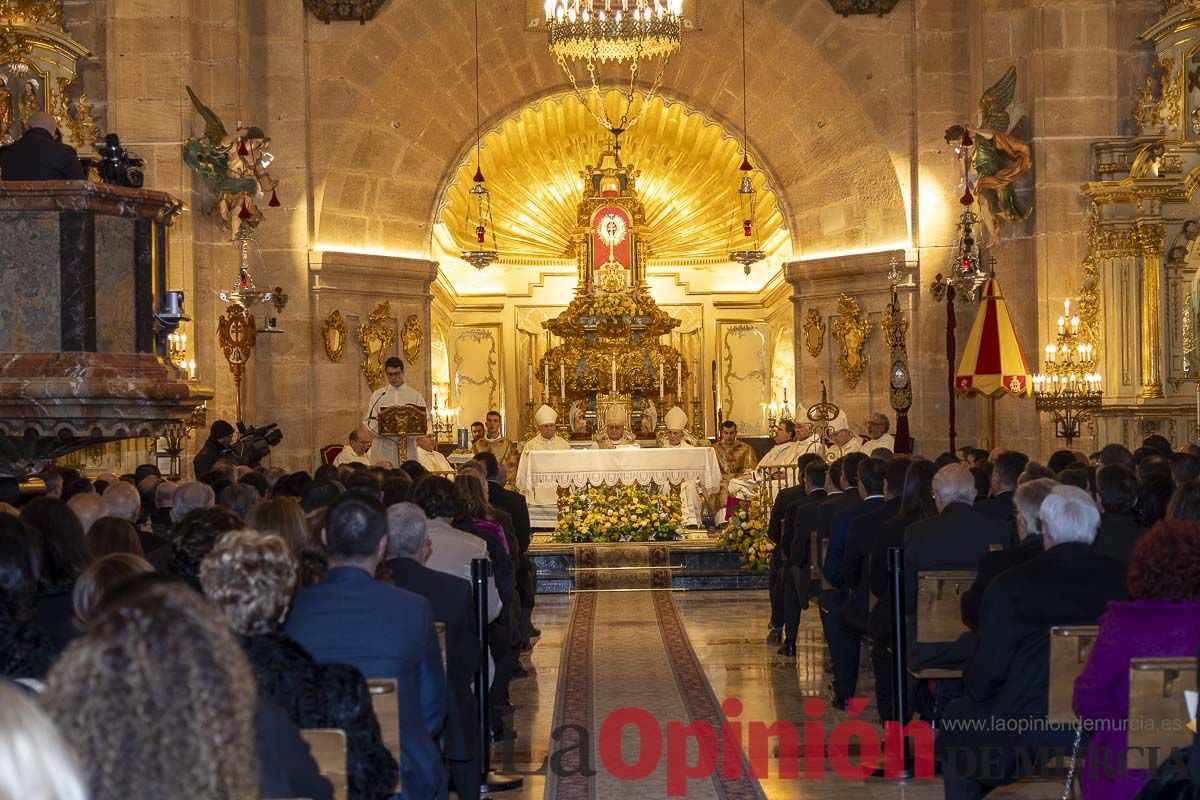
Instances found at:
x=1007 y=677
x=955 y=539
x=192 y=538
x=188 y=497
x=517 y=507
x=113 y=535
x=203 y=736
x=284 y=517
x=452 y=602
x=26 y=649
x=1006 y=473
x=383 y=631
x=100 y=579
x=1185 y=502
x=63 y=555
x=36 y=761
x=250 y=577
x=1160 y=619
x=1120 y=529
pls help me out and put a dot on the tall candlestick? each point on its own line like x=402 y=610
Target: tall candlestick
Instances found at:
x=546 y=378
x=678 y=379
x=660 y=383
x=562 y=383
x=695 y=379
x=614 y=376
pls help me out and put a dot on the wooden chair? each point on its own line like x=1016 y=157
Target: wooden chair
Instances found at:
x=939 y=613
x=440 y=627
x=1158 y=713
x=387 y=710
x=1069 y=648
x=328 y=748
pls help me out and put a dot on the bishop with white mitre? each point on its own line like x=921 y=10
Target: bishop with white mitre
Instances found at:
x=844 y=441
x=677 y=436
x=614 y=434
x=394 y=393
x=546 y=438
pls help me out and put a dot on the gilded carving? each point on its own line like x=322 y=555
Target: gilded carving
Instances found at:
x=876 y=7
x=344 y=10
x=375 y=337
x=1169 y=111
x=405 y=420
x=236 y=334
x=1150 y=237
x=411 y=337
x=335 y=335
x=894 y=325
x=851 y=334
x=814 y=332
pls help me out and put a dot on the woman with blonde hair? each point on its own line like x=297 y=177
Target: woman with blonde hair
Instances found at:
x=250 y=577
x=157 y=701
x=34 y=760
x=284 y=517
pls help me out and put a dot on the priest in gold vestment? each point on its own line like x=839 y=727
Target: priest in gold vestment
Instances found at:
x=735 y=458
x=506 y=451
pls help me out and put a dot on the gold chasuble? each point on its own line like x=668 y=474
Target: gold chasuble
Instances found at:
x=506 y=451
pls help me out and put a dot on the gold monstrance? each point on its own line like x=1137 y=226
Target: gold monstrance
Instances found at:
x=611 y=351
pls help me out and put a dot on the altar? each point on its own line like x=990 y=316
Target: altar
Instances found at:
x=541 y=473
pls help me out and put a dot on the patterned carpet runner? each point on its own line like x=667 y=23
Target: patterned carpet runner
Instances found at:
x=629 y=650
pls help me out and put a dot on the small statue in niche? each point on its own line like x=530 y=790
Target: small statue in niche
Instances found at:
x=6 y=110
x=998 y=155
x=30 y=102
x=236 y=164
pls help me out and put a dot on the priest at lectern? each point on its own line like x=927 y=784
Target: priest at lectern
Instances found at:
x=395 y=393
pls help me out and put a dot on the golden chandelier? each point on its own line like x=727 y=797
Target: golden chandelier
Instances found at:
x=594 y=32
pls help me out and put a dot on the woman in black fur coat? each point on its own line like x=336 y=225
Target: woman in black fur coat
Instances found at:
x=250 y=577
x=26 y=650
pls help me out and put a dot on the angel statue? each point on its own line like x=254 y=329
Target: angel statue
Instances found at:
x=997 y=156
x=236 y=164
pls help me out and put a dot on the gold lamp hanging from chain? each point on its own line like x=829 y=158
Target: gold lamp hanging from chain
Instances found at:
x=750 y=253
x=479 y=209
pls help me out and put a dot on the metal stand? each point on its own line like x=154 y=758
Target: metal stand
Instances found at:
x=489 y=781
x=899 y=663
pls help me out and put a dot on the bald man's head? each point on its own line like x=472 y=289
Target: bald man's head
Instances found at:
x=123 y=500
x=88 y=507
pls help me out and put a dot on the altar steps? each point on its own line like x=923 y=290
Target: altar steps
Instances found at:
x=685 y=565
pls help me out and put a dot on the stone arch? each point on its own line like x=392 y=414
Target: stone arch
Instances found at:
x=831 y=138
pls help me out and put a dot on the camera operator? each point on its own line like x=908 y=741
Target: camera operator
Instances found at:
x=40 y=155
x=220 y=437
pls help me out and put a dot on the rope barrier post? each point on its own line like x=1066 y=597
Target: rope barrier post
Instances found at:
x=899 y=654
x=481 y=572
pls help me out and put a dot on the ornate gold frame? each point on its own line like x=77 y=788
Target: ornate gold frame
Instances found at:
x=851 y=334
x=334 y=335
x=375 y=337
x=412 y=337
x=237 y=334
x=814 y=332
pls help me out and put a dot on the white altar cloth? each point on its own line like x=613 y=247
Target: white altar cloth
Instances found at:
x=643 y=465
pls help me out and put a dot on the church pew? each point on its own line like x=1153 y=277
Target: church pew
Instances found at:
x=1158 y=713
x=939 y=613
x=328 y=748
x=1069 y=648
x=384 y=702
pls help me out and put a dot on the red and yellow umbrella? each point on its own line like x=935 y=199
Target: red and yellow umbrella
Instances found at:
x=992 y=363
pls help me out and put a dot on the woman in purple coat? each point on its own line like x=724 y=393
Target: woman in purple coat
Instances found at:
x=1162 y=619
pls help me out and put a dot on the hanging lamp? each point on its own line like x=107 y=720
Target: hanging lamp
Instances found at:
x=479 y=211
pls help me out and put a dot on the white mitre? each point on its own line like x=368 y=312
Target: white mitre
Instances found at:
x=615 y=415
x=839 y=423
x=545 y=416
x=676 y=419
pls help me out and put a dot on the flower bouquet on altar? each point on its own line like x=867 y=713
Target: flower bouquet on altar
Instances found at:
x=619 y=514
x=745 y=533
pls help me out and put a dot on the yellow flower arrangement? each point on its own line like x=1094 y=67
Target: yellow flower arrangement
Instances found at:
x=745 y=533
x=619 y=514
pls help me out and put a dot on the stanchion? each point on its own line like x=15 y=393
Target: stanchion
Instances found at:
x=489 y=781
x=899 y=665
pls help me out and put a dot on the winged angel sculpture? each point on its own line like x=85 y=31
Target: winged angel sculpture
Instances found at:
x=994 y=156
x=236 y=164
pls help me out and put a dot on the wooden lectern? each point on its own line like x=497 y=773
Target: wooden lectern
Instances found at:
x=408 y=421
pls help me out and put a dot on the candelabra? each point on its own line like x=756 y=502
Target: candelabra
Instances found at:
x=442 y=421
x=777 y=412
x=1069 y=389
x=177 y=353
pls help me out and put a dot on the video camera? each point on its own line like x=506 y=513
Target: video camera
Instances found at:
x=254 y=443
x=115 y=166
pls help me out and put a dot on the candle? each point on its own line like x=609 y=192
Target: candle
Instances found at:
x=678 y=380
x=614 y=376
x=562 y=383
x=1061 y=325
x=1074 y=325
x=546 y=376
x=660 y=383
x=696 y=379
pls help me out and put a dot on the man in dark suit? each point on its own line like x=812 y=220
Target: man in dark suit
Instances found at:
x=843 y=641
x=382 y=630
x=795 y=542
x=518 y=508
x=1007 y=470
x=777 y=529
x=953 y=540
x=1119 y=527
x=39 y=155
x=1028 y=498
x=860 y=542
x=450 y=598
x=1008 y=677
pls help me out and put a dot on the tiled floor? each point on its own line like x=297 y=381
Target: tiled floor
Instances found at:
x=727 y=630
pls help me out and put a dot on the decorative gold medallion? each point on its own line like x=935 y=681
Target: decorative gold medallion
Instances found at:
x=814 y=332
x=851 y=334
x=411 y=338
x=236 y=333
x=375 y=337
x=335 y=334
